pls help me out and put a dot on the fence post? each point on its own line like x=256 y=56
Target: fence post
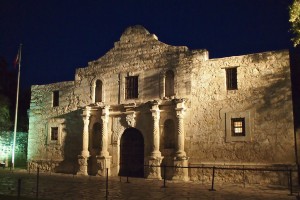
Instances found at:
x=19 y=187
x=291 y=182
x=202 y=178
x=164 y=176
x=37 y=182
x=244 y=176
x=106 y=193
x=213 y=180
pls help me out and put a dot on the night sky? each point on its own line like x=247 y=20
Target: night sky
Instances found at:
x=59 y=36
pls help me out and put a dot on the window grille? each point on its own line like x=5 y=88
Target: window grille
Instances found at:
x=231 y=78
x=238 y=126
x=54 y=133
x=131 y=90
x=55 y=100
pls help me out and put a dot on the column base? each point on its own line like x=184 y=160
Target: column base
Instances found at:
x=180 y=154
x=154 y=169
x=103 y=163
x=181 y=173
x=82 y=161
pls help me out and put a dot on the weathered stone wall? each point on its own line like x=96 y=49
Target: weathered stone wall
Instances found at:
x=263 y=96
x=6 y=142
x=264 y=90
x=42 y=115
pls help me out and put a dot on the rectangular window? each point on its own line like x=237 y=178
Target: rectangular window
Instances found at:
x=54 y=133
x=238 y=127
x=55 y=98
x=131 y=90
x=231 y=78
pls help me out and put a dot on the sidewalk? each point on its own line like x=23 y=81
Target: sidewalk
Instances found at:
x=65 y=187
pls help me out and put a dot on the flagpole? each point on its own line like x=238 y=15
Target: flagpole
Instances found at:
x=16 y=113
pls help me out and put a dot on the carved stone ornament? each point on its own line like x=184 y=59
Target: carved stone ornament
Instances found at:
x=130 y=119
x=117 y=129
x=100 y=164
x=178 y=169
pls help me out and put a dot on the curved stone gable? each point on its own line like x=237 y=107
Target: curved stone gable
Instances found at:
x=133 y=50
x=137 y=32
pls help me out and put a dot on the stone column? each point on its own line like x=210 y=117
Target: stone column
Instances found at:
x=104 y=118
x=83 y=158
x=180 y=160
x=103 y=160
x=155 y=159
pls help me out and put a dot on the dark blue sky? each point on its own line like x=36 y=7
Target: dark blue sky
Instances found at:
x=62 y=35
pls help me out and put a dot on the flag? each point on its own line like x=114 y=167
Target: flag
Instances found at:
x=17 y=59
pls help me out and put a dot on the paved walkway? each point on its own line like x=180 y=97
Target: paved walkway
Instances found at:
x=65 y=187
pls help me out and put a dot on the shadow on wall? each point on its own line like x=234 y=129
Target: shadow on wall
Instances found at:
x=72 y=142
x=273 y=104
x=295 y=71
x=274 y=96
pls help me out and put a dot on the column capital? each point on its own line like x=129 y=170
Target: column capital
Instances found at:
x=155 y=113
x=86 y=112
x=180 y=107
x=155 y=108
x=180 y=103
x=154 y=104
x=105 y=110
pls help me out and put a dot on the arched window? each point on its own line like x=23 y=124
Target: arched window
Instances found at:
x=97 y=136
x=169 y=134
x=169 y=83
x=98 y=91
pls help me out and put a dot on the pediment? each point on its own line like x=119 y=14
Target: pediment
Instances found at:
x=136 y=47
x=136 y=34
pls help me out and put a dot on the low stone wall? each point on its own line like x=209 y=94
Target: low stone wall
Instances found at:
x=43 y=165
x=244 y=174
x=53 y=166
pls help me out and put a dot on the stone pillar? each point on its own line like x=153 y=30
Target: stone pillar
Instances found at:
x=83 y=158
x=104 y=159
x=180 y=160
x=155 y=159
x=104 y=118
x=180 y=135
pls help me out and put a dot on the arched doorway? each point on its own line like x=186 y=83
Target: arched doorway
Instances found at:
x=132 y=153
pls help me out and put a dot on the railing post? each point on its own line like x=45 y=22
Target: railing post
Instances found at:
x=37 y=182
x=106 y=193
x=127 y=181
x=127 y=173
x=291 y=182
x=164 y=176
x=244 y=176
x=202 y=178
x=213 y=180
x=19 y=187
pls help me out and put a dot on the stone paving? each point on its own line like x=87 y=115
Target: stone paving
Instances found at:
x=65 y=187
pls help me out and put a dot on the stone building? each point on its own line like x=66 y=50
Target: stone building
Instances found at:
x=145 y=103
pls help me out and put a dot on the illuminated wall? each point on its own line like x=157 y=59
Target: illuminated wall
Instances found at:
x=253 y=90
x=6 y=141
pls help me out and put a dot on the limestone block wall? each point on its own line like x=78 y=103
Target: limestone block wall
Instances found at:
x=264 y=94
x=43 y=115
x=263 y=98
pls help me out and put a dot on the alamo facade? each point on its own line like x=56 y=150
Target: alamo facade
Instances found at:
x=145 y=104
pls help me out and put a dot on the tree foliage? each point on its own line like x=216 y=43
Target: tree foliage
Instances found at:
x=295 y=21
x=5 y=122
